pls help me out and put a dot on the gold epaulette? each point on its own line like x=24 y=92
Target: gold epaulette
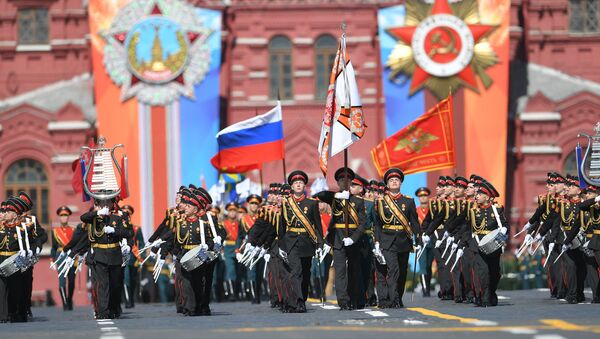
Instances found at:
x=408 y=196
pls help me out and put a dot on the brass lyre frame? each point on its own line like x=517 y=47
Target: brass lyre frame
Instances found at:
x=589 y=181
x=101 y=196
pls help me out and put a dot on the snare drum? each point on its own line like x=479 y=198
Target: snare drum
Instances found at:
x=492 y=242
x=577 y=241
x=9 y=266
x=191 y=260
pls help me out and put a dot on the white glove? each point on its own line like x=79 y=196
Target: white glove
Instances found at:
x=239 y=257
x=449 y=240
x=459 y=253
x=204 y=247
x=438 y=243
x=38 y=250
x=566 y=247
x=53 y=267
x=103 y=211
x=218 y=244
x=248 y=248
x=109 y=229
x=348 y=242
x=267 y=257
x=597 y=199
x=454 y=247
x=503 y=230
x=125 y=249
x=377 y=246
x=319 y=253
x=527 y=226
x=538 y=237
x=218 y=240
x=528 y=238
x=282 y=254
x=326 y=249
x=29 y=253
x=446 y=234
x=425 y=239
x=22 y=254
x=550 y=247
x=417 y=248
x=342 y=195
x=156 y=243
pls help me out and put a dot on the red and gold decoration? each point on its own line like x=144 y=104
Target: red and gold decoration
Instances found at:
x=442 y=47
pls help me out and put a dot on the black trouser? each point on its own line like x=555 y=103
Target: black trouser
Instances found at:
x=132 y=281
x=557 y=286
x=28 y=285
x=383 y=293
x=592 y=275
x=368 y=274
x=486 y=269
x=207 y=278
x=444 y=278
x=397 y=266
x=12 y=299
x=574 y=274
x=349 y=288
x=300 y=272
x=458 y=281
x=466 y=267
x=67 y=288
x=107 y=283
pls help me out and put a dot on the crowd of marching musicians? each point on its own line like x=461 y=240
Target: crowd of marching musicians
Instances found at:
x=284 y=245
x=566 y=226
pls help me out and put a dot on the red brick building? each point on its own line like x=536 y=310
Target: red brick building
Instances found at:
x=284 y=47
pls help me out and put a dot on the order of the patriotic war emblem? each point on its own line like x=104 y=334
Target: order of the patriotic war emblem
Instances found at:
x=442 y=47
x=156 y=51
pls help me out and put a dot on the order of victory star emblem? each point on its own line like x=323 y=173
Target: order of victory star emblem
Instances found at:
x=156 y=51
x=442 y=47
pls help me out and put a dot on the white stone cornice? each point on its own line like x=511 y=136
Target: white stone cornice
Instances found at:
x=541 y=149
x=540 y=116
x=72 y=125
x=252 y=41
x=65 y=158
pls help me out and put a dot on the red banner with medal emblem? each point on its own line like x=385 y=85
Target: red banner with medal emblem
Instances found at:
x=426 y=144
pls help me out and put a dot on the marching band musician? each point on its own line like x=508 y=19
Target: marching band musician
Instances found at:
x=193 y=229
x=591 y=229
x=106 y=228
x=131 y=274
x=61 y=236
x=13 y=240
x=396 y=224
x=442 y=210
x=346 y=227
x=254 y=275
x=300 y=234
x=486 y=217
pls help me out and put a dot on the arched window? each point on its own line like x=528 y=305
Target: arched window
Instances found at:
x=583 y=16
x=30 y=176
x=280 y=68
x=325 y=50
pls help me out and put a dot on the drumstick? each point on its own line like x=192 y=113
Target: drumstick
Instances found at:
x=26 y=237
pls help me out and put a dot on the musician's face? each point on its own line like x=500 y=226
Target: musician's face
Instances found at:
x=10 y=215
x=439 y=190
x=448 y=190
x=177 y=199
x=590 y=195
x=369 y=194
x=356 y=189
x=298 y=187
x=270 y=197
x=482 y=198
x=470 y=190
x=189 y=209
x=574 y=190
x=343 y=183
x=550 y=188
x=459 y=191
x=394 y=184
x=252 y=207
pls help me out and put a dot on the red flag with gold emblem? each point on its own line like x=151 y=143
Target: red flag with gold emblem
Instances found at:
x=426 y=144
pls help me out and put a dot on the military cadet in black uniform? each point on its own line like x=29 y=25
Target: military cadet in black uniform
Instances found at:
x=106 y=227
x=441 y=210
x=396 y=224
x=591 y=206
x=62 y=235
x=347 y=226
x=486 y=267
x=573 y=261
x=301 y=234
x=426 y=259
x=131 y=274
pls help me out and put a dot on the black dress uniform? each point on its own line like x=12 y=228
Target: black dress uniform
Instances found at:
x=105 y=260
x=396 y=224
x=486 y=267
x=592 y=254
x=300 y=235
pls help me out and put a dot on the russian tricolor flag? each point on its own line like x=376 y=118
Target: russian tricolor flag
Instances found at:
x=248 y=144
